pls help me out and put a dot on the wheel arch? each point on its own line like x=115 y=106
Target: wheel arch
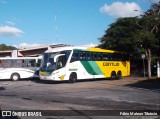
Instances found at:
x=73 y=73
x=113 y=74
x=119 y=74
x=72 y=77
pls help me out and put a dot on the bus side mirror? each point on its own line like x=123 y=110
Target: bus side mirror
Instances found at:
x=55 y=59
x=57 y=56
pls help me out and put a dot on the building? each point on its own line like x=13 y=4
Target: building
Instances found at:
x=29 y=52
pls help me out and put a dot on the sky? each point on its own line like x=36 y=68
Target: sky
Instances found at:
x=27 y=23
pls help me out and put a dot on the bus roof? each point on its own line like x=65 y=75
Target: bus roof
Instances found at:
x=92 y=49
x=100 y=50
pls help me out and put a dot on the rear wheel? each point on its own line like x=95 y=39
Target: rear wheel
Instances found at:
x=15 y=77
x=119 y=75
x=73 y=78
x=113 y=75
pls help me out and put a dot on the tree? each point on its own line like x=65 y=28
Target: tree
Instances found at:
x=135 y=35
x=5 y=47
x=149 y=33
x=121 y=36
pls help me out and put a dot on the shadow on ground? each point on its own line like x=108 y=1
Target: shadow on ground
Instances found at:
x=2 y=88
x=151 y=84
x=67 y=82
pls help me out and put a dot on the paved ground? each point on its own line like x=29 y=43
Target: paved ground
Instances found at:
x=125 y=94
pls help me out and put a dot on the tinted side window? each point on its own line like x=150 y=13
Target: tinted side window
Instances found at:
x=75 y=57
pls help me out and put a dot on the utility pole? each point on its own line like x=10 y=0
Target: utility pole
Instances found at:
x=56 y=29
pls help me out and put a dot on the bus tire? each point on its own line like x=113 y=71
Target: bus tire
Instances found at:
x=113 y=75
x=119 y=75
x=15 y=77
x=72 y=77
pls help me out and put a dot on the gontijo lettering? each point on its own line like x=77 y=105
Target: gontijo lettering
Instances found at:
x=110 y=64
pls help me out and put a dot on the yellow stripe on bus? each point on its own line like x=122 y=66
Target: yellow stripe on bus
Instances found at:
x=100 y=50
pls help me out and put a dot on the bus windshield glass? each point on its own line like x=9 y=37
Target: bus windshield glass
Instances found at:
x=55 y=60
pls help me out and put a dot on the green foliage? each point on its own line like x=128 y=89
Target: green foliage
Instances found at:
x=3 y=47
x=135 y=35
x=120 y=36
x=150 y=29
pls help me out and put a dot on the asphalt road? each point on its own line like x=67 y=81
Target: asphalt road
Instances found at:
x=125 y=94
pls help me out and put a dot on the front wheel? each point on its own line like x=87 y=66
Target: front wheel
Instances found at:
x=73 y=78
x=15 y=77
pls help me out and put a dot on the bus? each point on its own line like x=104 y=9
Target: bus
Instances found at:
x=16 y=68
x=73 y=63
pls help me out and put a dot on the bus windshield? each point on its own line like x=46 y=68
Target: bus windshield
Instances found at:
x=53 y=61
x=48 y=62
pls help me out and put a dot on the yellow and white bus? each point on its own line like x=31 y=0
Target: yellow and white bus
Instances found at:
x=73 y=63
